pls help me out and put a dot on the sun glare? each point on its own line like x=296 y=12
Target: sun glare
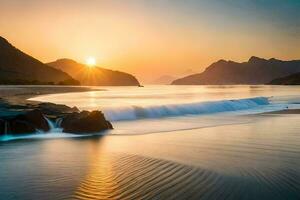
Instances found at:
x=91 y=61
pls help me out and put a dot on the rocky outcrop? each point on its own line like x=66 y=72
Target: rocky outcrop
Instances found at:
x=94 y=75
x=34 y=118
x=56 y=109
x=20 y=127
x=24 y=119
x=19 y=68
x=255 y=71
x=28 y=122
x=2 y=126
x=85 y=122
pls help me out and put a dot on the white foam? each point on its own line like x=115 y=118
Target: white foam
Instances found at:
x=171 y=110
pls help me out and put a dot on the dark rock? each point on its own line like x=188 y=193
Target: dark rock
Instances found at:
x=85 y=122
x=32 y=117
x=20 y=127
x=26 y=122
x=2 y=127
x=56 y=109
x=35 y=118
x=18 y=107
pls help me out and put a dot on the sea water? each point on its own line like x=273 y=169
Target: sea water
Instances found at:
x=135 y=110
x=222 y=150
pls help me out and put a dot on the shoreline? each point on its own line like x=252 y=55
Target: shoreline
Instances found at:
x=19 y=95
x=284 y=112
x=18 y=115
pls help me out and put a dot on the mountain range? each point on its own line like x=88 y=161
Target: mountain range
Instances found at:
x=16 y=67
x=19 y=68
x=94 y=75
x=254 y=71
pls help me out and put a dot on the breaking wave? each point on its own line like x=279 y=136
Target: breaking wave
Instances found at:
x=159 y=111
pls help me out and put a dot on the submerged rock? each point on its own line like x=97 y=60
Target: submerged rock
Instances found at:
x=36 y=119
x=28 y=122
x=31 y=118
x=56 y=109
x=20 y=127
x=2 y=126
x=85 y=122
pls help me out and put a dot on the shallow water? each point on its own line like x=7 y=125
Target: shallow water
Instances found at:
x=131 y=103
x=255 y=160
x=229 y=154
x=153 y=109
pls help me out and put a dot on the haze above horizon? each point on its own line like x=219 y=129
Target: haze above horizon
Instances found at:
x=153 y=38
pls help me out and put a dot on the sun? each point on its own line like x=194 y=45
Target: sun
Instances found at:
x=91 y=61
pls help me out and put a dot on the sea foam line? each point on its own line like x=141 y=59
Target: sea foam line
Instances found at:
x=158 y=111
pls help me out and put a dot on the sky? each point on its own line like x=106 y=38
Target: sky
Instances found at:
x=151 y=38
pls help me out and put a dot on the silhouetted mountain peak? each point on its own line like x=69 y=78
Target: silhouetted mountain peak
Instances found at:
x=99 y=76
x=255 y=59
x=222 y=61
x=217 y=64
x=16 y=67
x=3 y=40
x=275 y=60
x=66 y=61
x=4 y=44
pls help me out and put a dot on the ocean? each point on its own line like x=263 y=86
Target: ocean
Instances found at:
x=168 y=142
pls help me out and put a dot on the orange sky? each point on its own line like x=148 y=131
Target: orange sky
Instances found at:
x=150 y=38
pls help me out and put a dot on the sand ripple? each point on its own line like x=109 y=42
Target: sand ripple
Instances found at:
x=137 y=177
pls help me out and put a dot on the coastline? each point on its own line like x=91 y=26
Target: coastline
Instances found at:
x=19 y=116
x=284 y=112
x=19 y=95
x=15 y=100
x=248 y=156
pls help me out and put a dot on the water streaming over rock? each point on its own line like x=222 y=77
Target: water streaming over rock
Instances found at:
x=51 y=124
x=58 y=122
x=6 y=128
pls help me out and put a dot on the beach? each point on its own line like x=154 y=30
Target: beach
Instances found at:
x=150 y=100
x=21 y=94
x=238 y=153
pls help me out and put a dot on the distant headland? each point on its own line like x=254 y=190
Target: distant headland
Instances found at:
x=254 y=71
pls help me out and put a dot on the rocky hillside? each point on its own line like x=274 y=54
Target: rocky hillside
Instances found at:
x=17 y=67
x=293 y=79
x=94 y=75
x=254 y=71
